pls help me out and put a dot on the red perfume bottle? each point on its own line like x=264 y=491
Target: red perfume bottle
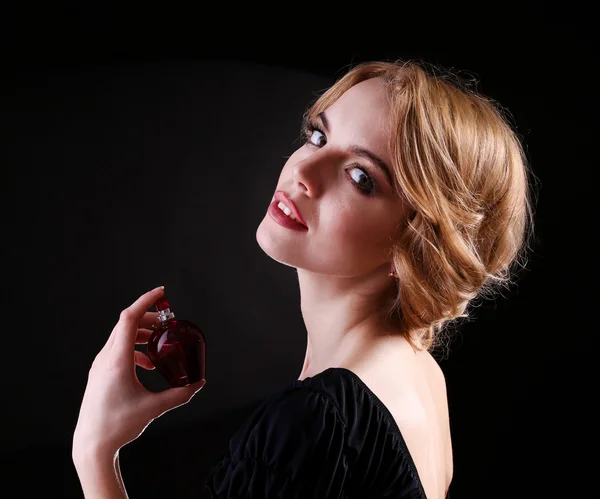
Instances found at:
x=177 y=348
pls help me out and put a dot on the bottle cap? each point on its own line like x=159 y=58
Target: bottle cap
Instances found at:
x=162 y=304
x=164 y=310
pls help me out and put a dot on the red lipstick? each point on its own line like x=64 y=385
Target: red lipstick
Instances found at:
x=282 y=219
x=285 y=199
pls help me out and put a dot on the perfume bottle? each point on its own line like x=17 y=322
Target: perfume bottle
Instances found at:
x=177 y=348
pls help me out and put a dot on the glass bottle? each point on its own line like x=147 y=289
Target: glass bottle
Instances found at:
x=177 y=348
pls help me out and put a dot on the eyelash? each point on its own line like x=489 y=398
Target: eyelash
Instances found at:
x=308 y=128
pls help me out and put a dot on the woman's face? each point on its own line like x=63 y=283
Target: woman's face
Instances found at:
x=338 y=183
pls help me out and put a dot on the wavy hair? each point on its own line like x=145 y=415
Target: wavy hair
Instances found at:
x=459 y=164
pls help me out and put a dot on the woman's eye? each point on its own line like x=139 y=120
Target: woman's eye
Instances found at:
x=317 y=138
x=361 y=179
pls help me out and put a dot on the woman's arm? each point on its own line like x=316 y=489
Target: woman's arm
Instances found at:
x=100 y=474
x=116 y=407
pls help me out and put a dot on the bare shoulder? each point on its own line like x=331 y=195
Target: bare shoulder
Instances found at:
x=412 y=385
x=436 y=376
x=439 y=418
x=397 y=366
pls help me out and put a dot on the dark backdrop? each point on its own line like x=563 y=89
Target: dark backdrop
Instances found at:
x=142 y=148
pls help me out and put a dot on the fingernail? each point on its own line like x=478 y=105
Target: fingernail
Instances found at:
x=159 y=287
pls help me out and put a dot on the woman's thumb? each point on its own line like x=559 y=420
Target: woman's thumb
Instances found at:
x=176 y=397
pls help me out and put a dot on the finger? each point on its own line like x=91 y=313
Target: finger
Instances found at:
x=149 y=319
x=143 y=336
x=142 y=360
x=174 y=397
x=126 y=329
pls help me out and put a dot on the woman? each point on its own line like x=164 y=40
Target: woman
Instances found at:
x=409 y=199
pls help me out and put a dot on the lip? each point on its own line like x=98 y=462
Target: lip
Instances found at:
x=282 y=219
x=284 y=198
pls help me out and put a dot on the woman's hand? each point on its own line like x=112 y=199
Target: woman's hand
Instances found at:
x=116 y=407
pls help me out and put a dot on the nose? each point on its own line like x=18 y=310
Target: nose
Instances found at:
x=310 y=173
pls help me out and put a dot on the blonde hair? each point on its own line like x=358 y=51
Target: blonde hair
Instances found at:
x=459 y=164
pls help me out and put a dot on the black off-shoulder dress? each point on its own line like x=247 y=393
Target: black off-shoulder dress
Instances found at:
x=324 y=437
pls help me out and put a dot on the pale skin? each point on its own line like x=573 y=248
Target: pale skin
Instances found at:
x=116 y=408
x=343 y=271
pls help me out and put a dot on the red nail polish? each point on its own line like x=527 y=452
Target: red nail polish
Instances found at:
x=177 y=348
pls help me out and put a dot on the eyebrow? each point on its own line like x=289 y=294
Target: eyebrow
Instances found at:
x=362 y=152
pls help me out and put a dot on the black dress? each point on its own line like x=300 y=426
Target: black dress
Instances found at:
x=328 y=436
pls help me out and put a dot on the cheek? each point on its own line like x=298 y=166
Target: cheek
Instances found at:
x=353 y=226
x=359 y=231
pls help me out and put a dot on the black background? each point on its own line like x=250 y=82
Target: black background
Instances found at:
x=123 y=132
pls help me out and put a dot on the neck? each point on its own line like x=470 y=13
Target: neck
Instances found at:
x=344 y=317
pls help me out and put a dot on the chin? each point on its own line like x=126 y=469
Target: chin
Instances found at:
x=272 y=244
x=289 y=252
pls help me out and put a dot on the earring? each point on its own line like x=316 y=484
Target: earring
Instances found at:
x=393 y=274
